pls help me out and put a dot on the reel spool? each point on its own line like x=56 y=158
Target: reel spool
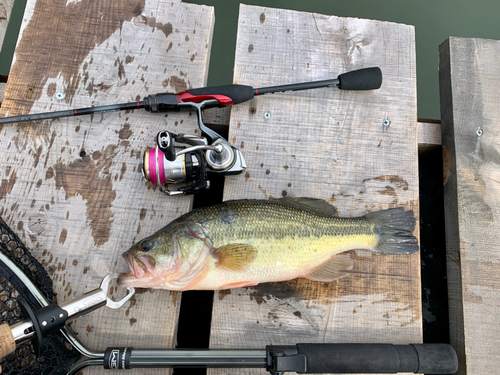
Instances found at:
x=163 y=165
x=160 y=171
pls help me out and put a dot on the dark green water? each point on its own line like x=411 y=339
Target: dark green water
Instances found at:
x=434 y=21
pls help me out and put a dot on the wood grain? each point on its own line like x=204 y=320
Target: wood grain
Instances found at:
x=469 y=75
x=72 y=188
x=5 y=11
x=429 y=135
x=329 y=144
x=428 y=131
x=2 y=91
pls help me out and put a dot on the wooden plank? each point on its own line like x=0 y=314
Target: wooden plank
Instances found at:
x=428 y=131
x=2 y=90
x=5 y=11
x=217 y=116
x=429 y=135
x=328 y=144
x=72 y=188
x=469 y=75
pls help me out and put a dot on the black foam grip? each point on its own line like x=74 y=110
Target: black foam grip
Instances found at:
x=379 y=358
x=362 y=79
x=238 y=93
x=437 y=358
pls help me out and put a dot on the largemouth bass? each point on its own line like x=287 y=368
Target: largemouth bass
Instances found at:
x=245 y=242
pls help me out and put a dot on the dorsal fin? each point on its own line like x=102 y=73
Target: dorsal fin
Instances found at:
x=314 y=205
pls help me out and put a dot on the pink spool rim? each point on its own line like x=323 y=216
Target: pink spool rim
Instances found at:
x=161 y=170
x=152 y=166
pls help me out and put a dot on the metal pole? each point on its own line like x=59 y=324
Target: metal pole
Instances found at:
x=154 y=358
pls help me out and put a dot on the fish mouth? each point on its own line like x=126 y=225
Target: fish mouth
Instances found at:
x=141 y=273
x=140 y=265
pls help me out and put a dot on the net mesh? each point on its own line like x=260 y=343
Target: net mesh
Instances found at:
x=56 y=356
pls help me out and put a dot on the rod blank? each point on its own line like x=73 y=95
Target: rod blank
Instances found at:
x=71 y=112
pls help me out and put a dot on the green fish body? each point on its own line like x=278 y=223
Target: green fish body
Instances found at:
x=246 y=242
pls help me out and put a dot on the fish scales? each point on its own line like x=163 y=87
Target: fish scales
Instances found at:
x=290 y=242
x=242 y=243
x=276 y=221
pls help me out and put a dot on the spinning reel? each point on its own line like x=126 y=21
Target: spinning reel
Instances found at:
x=191 y=164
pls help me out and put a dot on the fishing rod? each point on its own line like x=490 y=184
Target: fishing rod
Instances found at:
x=192 y=158
x=215 y=96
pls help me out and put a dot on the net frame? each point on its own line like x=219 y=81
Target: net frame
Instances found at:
x=57 y=355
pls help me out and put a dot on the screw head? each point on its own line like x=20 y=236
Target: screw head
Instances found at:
x=44 y=323
x=61 y=315
x=60 y=95
x=479 y=132
x=386 y=122
x=267 y=115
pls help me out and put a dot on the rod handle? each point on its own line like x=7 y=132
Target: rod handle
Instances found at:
x=361 y=79
x=237 y=93
x=379 y=358
x=7 y=342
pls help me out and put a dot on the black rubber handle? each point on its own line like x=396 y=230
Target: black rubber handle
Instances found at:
x=362 y=79
x=379 y=358
x=238 y=93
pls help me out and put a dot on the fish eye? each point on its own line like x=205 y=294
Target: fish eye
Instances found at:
x=146 y=246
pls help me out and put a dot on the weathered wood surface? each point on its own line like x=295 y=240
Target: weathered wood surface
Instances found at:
x=2 y=90
x=5 y=11
x=428 y=131
x=329 y=144
x=428 y=134
x=72 y=188
x=469 y=74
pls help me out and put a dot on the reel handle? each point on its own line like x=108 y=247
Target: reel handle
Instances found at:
x=7 y=342
x=166 y=145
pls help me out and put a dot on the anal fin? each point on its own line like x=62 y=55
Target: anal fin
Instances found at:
x=241 y=284
x=336 y=267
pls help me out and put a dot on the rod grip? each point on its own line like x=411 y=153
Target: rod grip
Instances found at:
x=379 y=358
x=237 y=93
x=7 y=342
x=362 y=79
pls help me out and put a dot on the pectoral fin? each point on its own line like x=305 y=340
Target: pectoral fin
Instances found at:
x=235 y=257
x=334 y=268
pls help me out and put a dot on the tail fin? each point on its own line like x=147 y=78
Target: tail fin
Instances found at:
x=394 y=228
